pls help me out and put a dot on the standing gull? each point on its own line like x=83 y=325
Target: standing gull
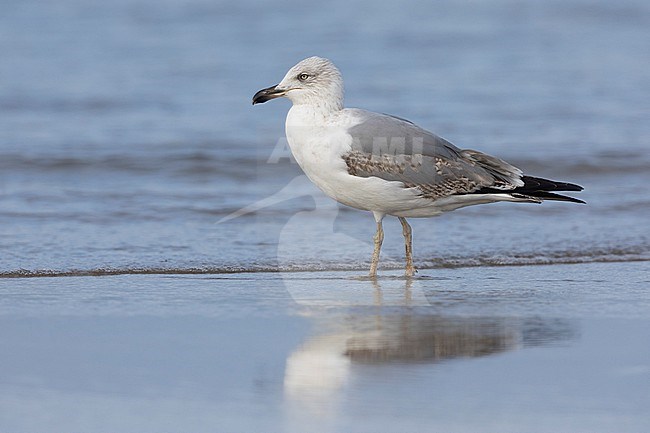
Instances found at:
x=387 y=165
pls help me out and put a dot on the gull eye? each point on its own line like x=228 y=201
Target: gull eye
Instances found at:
x=303 y=76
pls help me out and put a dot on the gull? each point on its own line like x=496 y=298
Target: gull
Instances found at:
x=388 y=165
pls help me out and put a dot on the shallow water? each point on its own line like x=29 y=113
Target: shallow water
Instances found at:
x=507 y=349
x=126 y=131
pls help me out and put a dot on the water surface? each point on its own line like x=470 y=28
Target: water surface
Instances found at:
x=126 y=130
x=508 y=349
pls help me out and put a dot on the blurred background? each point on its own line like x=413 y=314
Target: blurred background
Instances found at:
x=127 y=131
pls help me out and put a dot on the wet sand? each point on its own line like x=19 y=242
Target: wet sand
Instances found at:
x=487 y=349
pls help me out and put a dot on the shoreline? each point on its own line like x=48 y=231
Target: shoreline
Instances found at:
x=228 y=270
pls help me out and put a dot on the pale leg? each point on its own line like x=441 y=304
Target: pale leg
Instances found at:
x=408 y=244
x=379 y=238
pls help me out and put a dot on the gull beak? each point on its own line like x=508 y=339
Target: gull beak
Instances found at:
x=267 y=94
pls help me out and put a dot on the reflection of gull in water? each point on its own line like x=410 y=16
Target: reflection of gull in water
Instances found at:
x=406 y=338
x=317 y=372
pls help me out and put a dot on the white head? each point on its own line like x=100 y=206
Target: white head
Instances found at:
x=314 y=81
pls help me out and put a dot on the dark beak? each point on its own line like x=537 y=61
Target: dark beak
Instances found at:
x=267 y=94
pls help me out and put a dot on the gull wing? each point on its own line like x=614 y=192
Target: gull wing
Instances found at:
x=395 y=149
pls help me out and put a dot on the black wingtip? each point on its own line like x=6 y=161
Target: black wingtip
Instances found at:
x=545 y=189
x=545 y=195
x=540 y=188
x=541 y=184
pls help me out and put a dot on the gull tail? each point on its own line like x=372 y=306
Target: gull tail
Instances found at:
x=541 y=189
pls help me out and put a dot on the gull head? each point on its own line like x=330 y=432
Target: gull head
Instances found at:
x=314 y=81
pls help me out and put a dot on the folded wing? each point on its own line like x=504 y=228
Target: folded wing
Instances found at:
x=395 y=149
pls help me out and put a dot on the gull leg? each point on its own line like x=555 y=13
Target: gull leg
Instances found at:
x=408 y=244
x=379 y=238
